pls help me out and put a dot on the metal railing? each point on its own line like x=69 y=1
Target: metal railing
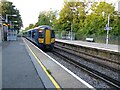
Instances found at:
x=98 y=38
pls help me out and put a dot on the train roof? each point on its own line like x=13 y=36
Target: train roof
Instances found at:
x=44 y=27
x=41 y=27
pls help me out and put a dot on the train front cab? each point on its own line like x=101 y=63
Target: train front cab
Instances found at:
x=46 y=39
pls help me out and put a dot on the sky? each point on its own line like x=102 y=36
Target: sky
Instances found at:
x=30 y=9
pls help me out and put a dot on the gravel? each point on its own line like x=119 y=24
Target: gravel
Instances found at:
x=80 y=73
x=101 y=69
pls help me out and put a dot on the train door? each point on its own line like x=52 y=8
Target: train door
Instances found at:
x=47 y=36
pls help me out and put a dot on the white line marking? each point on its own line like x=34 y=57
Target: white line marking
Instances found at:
x=78 y=78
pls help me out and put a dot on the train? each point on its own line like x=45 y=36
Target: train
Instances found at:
x=43 y=36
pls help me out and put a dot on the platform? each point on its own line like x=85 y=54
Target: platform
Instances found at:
x=108 y=47
x=105 y=54
x=18 y=70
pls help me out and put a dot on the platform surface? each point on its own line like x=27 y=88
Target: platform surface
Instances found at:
x=108 y=47
x=18 y=70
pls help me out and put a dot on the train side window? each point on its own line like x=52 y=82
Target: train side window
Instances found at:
x=29 y=33
x=52 y=34
x=33 y=34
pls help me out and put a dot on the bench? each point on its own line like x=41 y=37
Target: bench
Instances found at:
x=90 y=39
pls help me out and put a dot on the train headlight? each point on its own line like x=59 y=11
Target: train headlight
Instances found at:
x=40 y=40
x=52 y=40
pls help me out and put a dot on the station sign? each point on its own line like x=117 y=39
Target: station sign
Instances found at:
x=108 y=28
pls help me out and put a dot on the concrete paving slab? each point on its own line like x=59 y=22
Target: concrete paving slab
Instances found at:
x=18 y=70
x=45 y=79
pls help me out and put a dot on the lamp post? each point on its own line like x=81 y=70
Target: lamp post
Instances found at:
x=107 y=28
x=7 y=18
x=73 y=9
x=0 y=28
x=71 y=30
x=3 y=27
x=7 y=15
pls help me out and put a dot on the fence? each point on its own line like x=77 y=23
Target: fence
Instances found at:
x=65 y=35
x=98 y=39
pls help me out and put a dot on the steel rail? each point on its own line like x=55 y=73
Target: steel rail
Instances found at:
x=97 y=74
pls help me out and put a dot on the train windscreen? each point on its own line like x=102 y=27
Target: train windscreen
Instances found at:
x=41 y=34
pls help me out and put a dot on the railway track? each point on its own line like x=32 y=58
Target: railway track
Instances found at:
x=112 y=82
x=112 y=62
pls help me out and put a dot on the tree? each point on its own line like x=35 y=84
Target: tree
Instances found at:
x=43 y=18
x=0 y=7
x=46 y=18
x=10 y=9
x=72 y=13
x=88 y=19
x=30 y=27
x=98 y=18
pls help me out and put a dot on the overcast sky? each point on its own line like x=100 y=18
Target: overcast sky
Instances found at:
x=30 y=9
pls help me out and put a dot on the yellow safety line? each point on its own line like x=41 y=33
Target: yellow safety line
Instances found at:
x=51 y=78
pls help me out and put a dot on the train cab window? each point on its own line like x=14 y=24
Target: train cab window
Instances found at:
x=41 y=34
x=52 y=34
